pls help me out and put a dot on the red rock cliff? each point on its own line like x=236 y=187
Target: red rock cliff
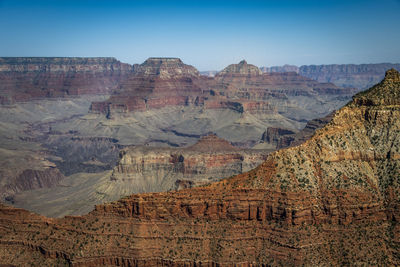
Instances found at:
x=24 y=79
x=331 y=201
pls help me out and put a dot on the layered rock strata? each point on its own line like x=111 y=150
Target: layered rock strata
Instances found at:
x=331 y=201
x=27 y=78
x=156 y=83
x=149 y=169
x=162 y=82
x=281 y=138
x=345 y=75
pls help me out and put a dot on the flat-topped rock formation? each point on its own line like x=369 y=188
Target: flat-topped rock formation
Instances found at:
x=25 y=79
x=360 y=76
x=348 y=75
x=165 y=68
x=333 y=200
x=158 y=169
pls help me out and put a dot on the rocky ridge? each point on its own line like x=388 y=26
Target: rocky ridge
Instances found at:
x=360 y=76
x=161 y=82
x=333 y=200
x=157 y=83
x=28 y=78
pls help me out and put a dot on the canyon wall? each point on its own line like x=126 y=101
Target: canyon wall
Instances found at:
x=281 y=138
x=149 y=169
x=27 y=78
x=360 y=76
x=333 y=200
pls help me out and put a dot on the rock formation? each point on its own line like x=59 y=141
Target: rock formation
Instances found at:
x=24 y=79
x=149 y=169
x=162 y=82
x=348 y=75
x=333 y=200
x=157 y=83
x=284 y=68
x=162 y=102
x=241 y=69
x=281 y=138
x=344 y=75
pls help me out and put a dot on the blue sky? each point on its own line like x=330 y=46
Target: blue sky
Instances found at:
x=206 y=34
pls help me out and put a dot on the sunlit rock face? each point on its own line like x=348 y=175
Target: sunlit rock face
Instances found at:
x=24 y=79
x=332 y=200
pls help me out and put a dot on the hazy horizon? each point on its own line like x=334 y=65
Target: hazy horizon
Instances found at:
x=206 y=34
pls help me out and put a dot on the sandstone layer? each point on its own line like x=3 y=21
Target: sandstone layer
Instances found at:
x=149 y=169
x=24 y=79
x=333 y=200
x=156 y=83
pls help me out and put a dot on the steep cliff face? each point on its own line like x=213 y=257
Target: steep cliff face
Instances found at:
x=166 y=68
x=30 y=179
x=235 y=82
x=289 y=94
x=157 y=83
x=331 y=201
x=345 y=75
x=348 y=75
x=241 y=69
x=148 y=169
x=163 y=82
x=24 y=79
x=281 y=138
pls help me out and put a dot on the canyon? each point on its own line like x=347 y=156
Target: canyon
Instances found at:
x=25 y=79
x=66 y=123
x=332 y=200
x=360 y=76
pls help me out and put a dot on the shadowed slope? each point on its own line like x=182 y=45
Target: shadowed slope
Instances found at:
x=331 y=201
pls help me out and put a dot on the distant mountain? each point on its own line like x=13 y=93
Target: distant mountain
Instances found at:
x=284 y=68
x=209 y=73
x=345 y=75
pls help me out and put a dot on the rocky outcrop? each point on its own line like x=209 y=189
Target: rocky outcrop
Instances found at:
x=165 y=68
x=263 y=86
x=157 y=83
x=25 y=79
x=282 y=138
x=333 y=200
x=30 y=179
x=82 y=154
x=241 y=69
x=272 y=135
x=163 y=82
x=159 y=169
